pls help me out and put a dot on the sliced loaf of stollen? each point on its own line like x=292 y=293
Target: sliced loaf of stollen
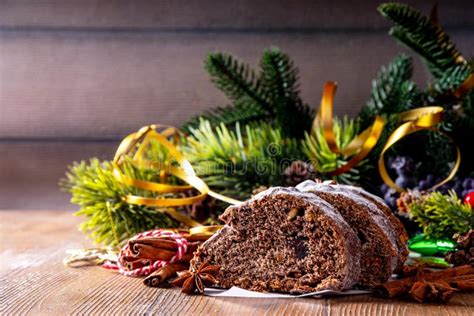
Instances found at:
x=381 y=253
x=264 y=248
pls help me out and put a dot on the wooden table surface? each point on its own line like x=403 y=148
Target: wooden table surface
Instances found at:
x=34 y=281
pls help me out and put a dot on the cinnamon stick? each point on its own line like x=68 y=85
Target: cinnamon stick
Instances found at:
x=187 y=257
x=463 y=283
x=465 y=277
x=448 y=273
x=133 y=263
x=403 y=286
x=147 y=249
x=143 y=251
x=409 y=271
x=158 y=277
x=158 y=242
x=192 y=247
x=157 y=248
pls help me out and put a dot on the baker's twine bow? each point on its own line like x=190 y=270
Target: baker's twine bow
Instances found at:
x=412 y=121
x=108 y=257
x=76 y=258
x=154 y=264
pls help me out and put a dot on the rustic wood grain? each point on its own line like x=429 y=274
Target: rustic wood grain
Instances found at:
x=33 y=281
x=30 y=171
x=212 y=14
x=105 y=84
x=74 y=71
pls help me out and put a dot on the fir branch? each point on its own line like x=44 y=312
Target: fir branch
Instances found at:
x=423 y=35
x=241 y=111
x=451 y=80
x=236 y=80
x=441 y=215
x=240 y=83
x=273 y=96
x=279 y=76
x=236 y=161
x=324 y=160
x=392 y=91
x=108 y=219
x=403 y=37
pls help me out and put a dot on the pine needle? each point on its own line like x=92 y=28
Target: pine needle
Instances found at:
x=442 y=215
x=272 y=95
x=423 y=35
x=108 y=219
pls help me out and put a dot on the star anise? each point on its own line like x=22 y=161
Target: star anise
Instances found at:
x=437 y=291
x=195 y=279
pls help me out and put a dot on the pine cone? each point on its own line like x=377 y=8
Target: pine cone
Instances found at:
x=298 y=172
x=464 y=253
x=407 y=198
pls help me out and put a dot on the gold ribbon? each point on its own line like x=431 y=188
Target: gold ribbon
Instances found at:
x=183 y=171
x=425 y=118
x=204 y=230
x=466 y=86
x=359 y=147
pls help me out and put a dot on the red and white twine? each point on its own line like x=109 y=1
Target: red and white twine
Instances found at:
x=154 y=265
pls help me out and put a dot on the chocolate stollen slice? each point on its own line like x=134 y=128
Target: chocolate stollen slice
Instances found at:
x=379 y=256
x=283 y=240
x=399 y=231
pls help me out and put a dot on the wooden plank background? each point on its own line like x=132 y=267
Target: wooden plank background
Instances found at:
x=76 y=76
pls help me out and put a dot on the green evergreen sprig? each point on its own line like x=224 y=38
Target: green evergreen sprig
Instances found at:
x=423 y=35
x=242 y=111
x=235 y=161
x=266 y=126
x=324 y=160
x=392 y=91
x=426 y=37
x=441 y=215
x=279 y=76
x=271 y=95
x=451 y=80
x=240 y=84
x=236 y=79
x=109 y=220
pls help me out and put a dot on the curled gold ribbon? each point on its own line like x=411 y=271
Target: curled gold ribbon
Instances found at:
x=425 y=118
x=183 y=171
x=466 y=86
x=359 y=147
x=204 y=230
